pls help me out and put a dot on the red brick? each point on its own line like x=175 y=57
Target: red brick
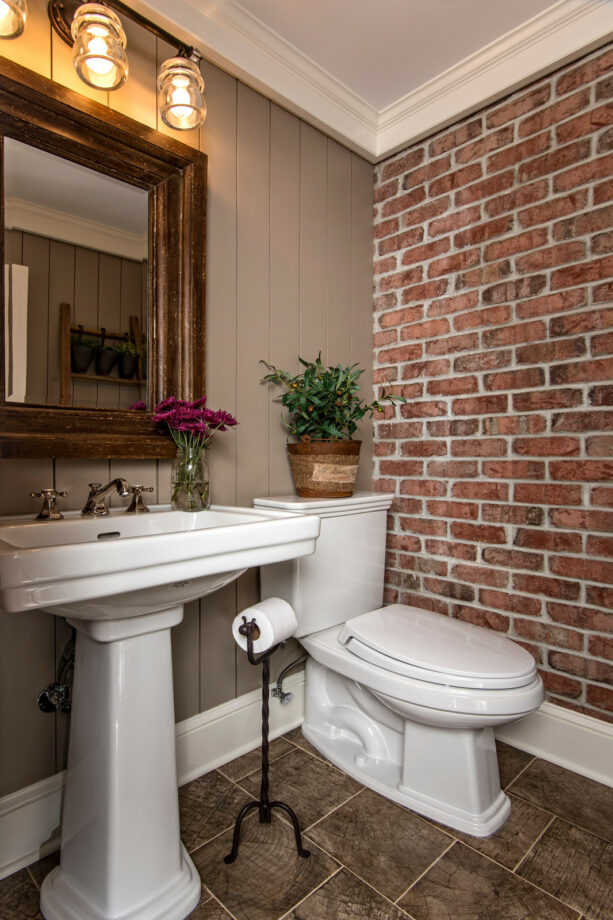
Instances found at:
x=480 y=405
x=601 y=396
x=467 y=511
x=584 y=73
x=519 y=106
x=429 y=171
x=398 y=317
x=385 y=338
x=494 y=185
x=425 y=369
x=423 y=487
x=402 y=163
x=449 y=589
x=578 y=323
x=519 y=243
x=452 y=386
x=549 y=541
x=583 y=174
x=514 y=290
x=601 y=646
x=483 y=361
x=600 y=696
x=515 y=424
x=547 y=447
x=549 y=635
x=425 y=291
x=546 y=399
x=550 y=257
x=402 y=579
x=453 y=263
x=425 y=602
x=487 y=273
x=547 y=494
x=553 y=208
x=521 y=515
x=385 y=301
x=381 y=266
x=583 y=224
x=478 y=149
x=424 y=409
x=603 y=192
x=386 y=190
x=401 y=467
x=582 y=371
x=454 y=221
x=474 y=574
x=513 y=603
x=454 y=550
x=452 y=343
x=423 y=448
x=453 y=469
x=581 y=667
x=479 y=447
x=454 y=180
x=551 y=303
x=575 y=567
x=518 y=153
x=599 y=546
x=487 y=491
x=493 y=316
x=424 y=565
x=545 y=352
x=514 y=469
x=558 y=683
x=427 y=330
x=400 y=240
x=602 y=496
x=425 y=212
x=427 y=527
x=512 y=559
x=602 y=243
x=478 y=533
x=522 y=379
x=583 y=421
x=455 y=137
x=550 y=587
x=404 y=542
x=599 y=446
x=582 y=520
x=555 y=161
x=581 y=617
x=478 y=617
x=585 y=124
x=401 y=279
x=454 y=428
x=398 y=430
x=403 y=202
x=479 y=233
x=518 y=198
x=400 y=354
x=455 y=304
x=427 y=251
x=554 y=113
x=385 y=228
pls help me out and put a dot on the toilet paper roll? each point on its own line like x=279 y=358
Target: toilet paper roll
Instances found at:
x=276 y=621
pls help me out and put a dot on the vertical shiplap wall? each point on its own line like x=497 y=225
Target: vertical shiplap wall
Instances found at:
x=289 y=271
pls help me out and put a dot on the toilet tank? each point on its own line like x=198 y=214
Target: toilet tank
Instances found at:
x=344 y=577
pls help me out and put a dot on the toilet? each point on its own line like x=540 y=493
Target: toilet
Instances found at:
x=402 y=699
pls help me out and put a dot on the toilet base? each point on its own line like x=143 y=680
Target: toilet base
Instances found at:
x=448 y=775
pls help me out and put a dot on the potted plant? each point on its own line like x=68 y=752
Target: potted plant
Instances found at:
x=82 y=350
x=106 y=356
x=324 y=411
x=128 y=357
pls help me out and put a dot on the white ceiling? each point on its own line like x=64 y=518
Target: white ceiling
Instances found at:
x=379 y=75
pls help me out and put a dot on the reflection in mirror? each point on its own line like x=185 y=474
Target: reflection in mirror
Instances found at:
x=76 y=283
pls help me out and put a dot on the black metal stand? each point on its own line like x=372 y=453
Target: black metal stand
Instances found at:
x=264 y=806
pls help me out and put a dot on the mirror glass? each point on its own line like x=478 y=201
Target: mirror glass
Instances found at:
x=76 y=283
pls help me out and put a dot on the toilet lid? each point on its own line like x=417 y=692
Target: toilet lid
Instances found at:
x=438 y=649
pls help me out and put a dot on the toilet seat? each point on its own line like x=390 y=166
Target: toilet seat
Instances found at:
x=423 y=645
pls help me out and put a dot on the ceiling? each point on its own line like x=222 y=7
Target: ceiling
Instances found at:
x=378 y=76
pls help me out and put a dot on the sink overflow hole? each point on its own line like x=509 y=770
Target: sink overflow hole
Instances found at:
x=109 y=534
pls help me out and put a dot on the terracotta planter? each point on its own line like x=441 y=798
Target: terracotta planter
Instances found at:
x=324 y=469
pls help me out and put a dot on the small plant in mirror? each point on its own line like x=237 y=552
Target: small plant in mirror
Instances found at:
x=192 y=427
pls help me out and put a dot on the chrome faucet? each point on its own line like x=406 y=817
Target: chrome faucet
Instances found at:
x=95 y=504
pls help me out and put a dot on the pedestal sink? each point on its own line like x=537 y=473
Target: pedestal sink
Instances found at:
x=122 y=581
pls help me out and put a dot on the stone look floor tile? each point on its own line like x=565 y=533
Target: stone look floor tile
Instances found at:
x=208 y=806
x=386 y=845
x=568 y=795
x=511 y=761
x=268 y=877
x=39 y=870
x=307 y=785
x=296 y=737
x=576 y=867
x=463 y=885
x=209 y=909
x=508 y=845
x=249 y=763
x=345 y=897
x=19 y=898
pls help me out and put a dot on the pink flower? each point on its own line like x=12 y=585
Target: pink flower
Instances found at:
x=191 y=424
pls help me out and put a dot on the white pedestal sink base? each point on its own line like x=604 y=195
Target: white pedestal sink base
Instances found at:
x=121 y=853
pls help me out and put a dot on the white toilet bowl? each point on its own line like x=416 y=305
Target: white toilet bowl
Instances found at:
x=402 y=699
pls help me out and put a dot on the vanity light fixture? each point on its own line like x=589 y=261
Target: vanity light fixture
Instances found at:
x=13 y=15
x=95 y=33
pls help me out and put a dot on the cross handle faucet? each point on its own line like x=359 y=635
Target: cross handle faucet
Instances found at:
x=95 y=506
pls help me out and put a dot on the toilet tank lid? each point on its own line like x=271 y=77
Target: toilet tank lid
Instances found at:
x=357 y=503
x=437 y=643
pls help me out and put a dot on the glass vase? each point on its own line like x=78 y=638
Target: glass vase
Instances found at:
x=189 y=480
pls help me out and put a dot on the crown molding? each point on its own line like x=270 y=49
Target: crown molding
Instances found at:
x=232 y=38
x=68 y=228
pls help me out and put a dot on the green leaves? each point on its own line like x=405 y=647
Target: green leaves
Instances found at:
x=322 y=401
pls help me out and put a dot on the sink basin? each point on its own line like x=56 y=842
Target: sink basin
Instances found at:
x=122 y=580
x=128 y=565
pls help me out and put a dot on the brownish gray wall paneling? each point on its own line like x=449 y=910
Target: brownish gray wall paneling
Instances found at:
x=289 y=271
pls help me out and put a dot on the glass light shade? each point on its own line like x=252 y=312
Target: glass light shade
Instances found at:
x=181 y=94
x=12 y=18
x=98 y=51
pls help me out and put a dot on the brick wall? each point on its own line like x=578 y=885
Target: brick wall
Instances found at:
x=494 y=316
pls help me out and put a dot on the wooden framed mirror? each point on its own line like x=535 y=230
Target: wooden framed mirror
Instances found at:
x=48 y=117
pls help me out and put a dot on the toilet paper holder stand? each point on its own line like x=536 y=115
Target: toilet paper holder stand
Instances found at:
x=251 y=631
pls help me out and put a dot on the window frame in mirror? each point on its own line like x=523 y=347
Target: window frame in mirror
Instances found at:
x=44 y=114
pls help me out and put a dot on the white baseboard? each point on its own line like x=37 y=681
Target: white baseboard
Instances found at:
x=569 y=739
x=30 y=817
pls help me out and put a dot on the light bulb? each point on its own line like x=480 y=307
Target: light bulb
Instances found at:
x=13 y=14
x=180 y=94
x=99 y=47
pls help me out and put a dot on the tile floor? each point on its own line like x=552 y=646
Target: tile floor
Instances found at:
x=374 y=860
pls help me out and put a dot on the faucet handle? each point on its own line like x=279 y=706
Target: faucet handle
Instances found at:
x=137 y=505
x=94 y=486
x=49 y=511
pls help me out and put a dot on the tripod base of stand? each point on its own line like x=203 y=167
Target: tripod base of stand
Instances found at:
x=265 y=810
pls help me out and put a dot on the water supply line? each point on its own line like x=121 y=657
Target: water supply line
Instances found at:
x=284 y=696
